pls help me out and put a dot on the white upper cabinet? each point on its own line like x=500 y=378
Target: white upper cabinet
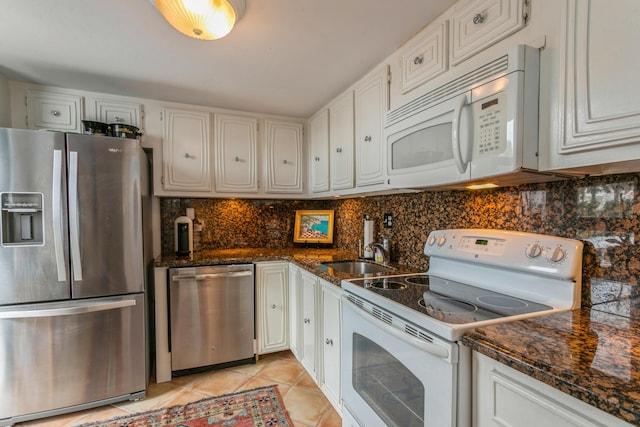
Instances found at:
x=478 y=24
x=236 y=152
x=186 y=150
x=424 y=57
x=319 y=151
x=114 y=111
x=283 y=144
x=371 y=104
x=55 y=111
x=595 y=115
x=341 y=137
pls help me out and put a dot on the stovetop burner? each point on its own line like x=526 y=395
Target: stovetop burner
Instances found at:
x=446 y=300
x=386 y=284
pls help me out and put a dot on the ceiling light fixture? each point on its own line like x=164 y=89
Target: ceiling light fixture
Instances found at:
x=201 y=19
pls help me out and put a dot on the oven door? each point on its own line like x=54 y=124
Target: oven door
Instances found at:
x=392 y=378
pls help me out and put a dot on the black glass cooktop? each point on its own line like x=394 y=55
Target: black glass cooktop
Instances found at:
x=446 y=300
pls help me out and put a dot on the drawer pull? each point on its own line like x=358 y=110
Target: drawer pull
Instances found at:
x=419 y=59
x=479 y=18
x=55 y=113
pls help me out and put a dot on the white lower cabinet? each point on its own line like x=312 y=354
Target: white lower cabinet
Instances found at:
x=330 y=301
x=295 y=318
x=505 y=397
x=309 y=289
x=272 y=306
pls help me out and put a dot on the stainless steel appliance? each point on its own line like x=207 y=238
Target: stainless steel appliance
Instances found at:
x=402 y=360
x=479 y=127
x=211 y=315
x=72 y=272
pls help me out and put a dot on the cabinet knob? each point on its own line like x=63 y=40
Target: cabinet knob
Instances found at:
x=328 y=341
x=273 y=306
x=237 y=159
x=118 y=119
x=55 y=113
x=338 y=150
x=307 y=321
x=187 y=155
x=479 y=18
x=367 y=138
x=284 y=162
x=418 y=60
x=317 y=159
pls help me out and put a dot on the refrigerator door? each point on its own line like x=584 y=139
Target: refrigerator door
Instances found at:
x=62 y=354
x=105 y=215
x=34 y=254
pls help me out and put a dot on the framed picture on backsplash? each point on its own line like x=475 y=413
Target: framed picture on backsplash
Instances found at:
x=313 y=227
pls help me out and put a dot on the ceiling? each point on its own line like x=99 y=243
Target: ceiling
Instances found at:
x=284 y=57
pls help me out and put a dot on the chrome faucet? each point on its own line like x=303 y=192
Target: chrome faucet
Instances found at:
x=383 y=248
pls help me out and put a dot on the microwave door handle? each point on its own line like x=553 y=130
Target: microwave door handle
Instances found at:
x=455 y=133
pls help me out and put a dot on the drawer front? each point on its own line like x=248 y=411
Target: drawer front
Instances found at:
x=478 y=24
x=47 y=110
x=426 y=57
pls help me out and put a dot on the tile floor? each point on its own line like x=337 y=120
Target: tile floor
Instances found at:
x=304 y=401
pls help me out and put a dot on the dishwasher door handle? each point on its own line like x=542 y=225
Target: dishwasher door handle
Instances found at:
x=207 y=276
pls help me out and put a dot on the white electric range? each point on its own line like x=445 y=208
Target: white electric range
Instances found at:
x=400 y=337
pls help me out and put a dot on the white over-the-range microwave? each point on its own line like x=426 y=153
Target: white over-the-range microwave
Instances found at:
x=480 y=128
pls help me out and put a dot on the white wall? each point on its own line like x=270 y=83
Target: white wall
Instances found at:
x=5 y=102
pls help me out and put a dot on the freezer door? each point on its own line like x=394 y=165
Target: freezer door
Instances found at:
x=63 y=354
x=34 y=255
x=105 y=215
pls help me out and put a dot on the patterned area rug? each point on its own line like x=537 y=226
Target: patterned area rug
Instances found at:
x=259 y=407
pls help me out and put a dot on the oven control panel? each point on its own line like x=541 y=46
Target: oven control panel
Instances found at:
x=550 y=255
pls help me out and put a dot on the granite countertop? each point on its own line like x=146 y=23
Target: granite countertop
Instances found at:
x=303 y=257
x=589 y=354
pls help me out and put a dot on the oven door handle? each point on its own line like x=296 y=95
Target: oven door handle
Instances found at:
x=428 y=347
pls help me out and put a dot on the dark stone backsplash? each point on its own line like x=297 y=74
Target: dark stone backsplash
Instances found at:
x=602 y=211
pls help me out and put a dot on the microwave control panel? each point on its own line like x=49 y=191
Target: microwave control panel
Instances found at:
x=490 y=126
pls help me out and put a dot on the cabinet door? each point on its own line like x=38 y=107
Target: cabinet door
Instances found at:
x=504 y=397
x=371 y=103
x=272 y=296
x=236 y=154
x=56 y=111
x=112 y=111
x=283 y=143
x=295 y=317
x=319 y=150
x=330 y=342
x=424 y=57
x=478 y=24
x=341 y=142
x=309 y=328
x=186 y=150
x=598 y=112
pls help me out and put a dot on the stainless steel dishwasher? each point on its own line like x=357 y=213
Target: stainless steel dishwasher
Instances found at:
x=211 y=315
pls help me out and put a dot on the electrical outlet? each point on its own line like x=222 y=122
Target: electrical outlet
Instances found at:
x=388 y=220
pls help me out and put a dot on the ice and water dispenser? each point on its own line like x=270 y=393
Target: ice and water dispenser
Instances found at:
x=22 y=219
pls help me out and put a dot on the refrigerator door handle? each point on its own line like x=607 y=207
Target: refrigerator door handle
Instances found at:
x=56 y=209
x=212 y=276
x=74 y=222
x=87 y=307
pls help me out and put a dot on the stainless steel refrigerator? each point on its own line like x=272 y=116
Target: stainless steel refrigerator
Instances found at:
x=72 y=272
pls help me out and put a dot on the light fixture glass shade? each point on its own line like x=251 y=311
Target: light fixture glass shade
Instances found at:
x=200 y=19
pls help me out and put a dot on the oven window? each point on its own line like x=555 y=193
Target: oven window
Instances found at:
x=423 y=147
x=388 y=387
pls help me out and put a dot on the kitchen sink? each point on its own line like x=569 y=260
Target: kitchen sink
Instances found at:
x=353 y=267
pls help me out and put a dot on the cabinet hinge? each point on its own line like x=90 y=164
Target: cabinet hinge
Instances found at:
x=26 y=103
x=26 y=120
x=526 y=8
x=160 y=115
x=162 y=179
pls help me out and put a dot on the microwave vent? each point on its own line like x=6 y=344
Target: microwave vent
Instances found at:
x=481 y=75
